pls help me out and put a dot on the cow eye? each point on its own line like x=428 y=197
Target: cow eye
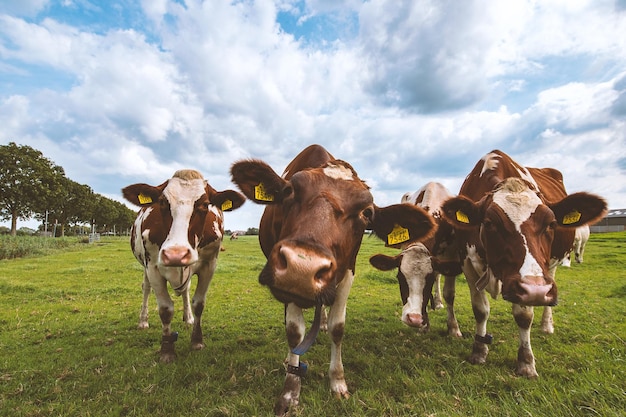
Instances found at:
x=287 y=191
x=551 y=226
x=203 y=206
x=368 y=213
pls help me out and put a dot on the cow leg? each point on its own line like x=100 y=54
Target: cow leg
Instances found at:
x=437 y=297
x=166 y=312
x=449 y=292
x=205 y=275
x=480 y=308
x=143 y=314
x=525 y=359
x=295 y=327
x=187 y=313
x=336 y=327
x=547 y=323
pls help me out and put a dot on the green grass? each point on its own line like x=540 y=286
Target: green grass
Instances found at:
x=69 y=344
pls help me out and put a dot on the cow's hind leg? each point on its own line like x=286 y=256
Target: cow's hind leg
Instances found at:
x=205 y=275
x=480 y=308
x=525 y=359
x=449 y=292
x=294 y=327
x=437 y=304
x=143 y=314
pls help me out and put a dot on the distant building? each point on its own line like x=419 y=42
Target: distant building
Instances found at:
x=614 y=221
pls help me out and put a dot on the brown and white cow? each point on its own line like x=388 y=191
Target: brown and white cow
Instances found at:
x=178 y=233
x=421 y=264
x=514 y=225
x=310 y=233
x=580 y=241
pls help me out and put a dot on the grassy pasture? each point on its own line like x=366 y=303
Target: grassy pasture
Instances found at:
x=69 y=344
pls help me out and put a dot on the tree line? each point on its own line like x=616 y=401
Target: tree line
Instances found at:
x=32 y=186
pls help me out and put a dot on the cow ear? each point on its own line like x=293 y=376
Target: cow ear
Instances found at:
x=258 y=181
x=399 y=224
x=461 y=212
x=141 y=194
x=227 y=200
x=385 y=262
x=579 y=209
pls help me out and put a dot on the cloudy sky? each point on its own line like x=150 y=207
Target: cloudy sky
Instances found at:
x=125 y=91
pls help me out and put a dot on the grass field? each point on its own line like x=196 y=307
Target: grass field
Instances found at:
x=69 y=344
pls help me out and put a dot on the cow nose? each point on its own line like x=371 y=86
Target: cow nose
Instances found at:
x=176 y=256
x=302 y=271
x=414 y=320
x=537 y=292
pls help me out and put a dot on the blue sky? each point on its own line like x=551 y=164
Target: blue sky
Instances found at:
x=125 y=91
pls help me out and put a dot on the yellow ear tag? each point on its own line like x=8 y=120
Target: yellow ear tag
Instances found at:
x=261 y=194
x=572 y=217
x=398 y=235
x=462 y=217
x=227 y=205
x=144 y=199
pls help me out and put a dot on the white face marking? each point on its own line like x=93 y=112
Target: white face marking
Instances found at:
x=339 y=172
x=524 y=174
x=415 y=266
x=519 y=206
x=491 y=162
x=181 y=195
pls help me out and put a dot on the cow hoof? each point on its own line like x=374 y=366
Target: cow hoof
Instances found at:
x=340 y=389
x=455 y=333
x=143 y=325
x=197 y=346
x=548 y=328
x=168 y=357
x=526 y=370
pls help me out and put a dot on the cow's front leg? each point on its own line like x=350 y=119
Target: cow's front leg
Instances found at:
x=449 y=292
x=525 y=359
x=295 y=327
x=166 y=312
x=336 y=327
x=143 y=314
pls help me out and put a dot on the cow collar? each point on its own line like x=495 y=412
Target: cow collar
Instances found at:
x=185 y=280
x=310 y=337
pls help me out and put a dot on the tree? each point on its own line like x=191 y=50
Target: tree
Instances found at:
x=73 y=204
x=28 y=183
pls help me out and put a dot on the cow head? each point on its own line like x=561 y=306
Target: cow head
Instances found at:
x=181 y=214
x=516 y=230
x=312 y=229
x=416 y=277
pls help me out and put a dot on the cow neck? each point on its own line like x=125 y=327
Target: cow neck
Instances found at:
x=310 y=337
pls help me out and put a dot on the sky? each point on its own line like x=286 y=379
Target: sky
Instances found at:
x=125 y=91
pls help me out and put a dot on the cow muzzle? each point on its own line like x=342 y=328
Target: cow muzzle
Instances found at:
x=300 y=275
x=532 y=291
x=177 y=256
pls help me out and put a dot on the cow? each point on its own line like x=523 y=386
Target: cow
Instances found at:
x=514 y=225
x=581 y=237
x=421 y=264
x=310 y=232
x=178 y=233
x=580 y=241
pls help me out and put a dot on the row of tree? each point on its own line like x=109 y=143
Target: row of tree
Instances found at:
x=32 y=186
